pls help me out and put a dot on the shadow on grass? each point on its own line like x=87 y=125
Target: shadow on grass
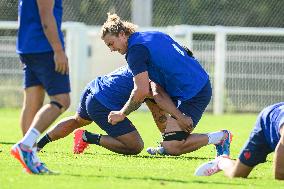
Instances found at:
x=152 y=156
x=7 y=143
x=161 y=180
x=182 y=157
x=210 y=182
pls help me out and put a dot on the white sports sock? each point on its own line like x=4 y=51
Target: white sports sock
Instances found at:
x=30 y=137
x=35 y=158
x=225 y=163
x=215 y=138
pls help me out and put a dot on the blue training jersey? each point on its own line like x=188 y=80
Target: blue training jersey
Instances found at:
x=31 y=37
x=272 y=118
x=179 y=74
x=114 y=89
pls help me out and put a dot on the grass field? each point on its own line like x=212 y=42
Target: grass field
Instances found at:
x=100 y=168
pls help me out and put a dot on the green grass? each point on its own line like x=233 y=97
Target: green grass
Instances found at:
x=100 y=168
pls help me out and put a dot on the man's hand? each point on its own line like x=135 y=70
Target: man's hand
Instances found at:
x=185 y=123
x=61 y=62
x=115 y=116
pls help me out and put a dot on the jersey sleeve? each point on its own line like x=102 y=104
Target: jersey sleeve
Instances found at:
x=137 y=58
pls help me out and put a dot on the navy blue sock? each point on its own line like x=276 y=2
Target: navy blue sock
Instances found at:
x=91 y=138
x=43 y=141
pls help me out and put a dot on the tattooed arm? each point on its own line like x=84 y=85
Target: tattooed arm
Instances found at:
x=138 y=94
x=165 y=102
x=159 y=115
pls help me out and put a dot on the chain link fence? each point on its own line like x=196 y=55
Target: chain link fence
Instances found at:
x=245 y=13
x=254 y=63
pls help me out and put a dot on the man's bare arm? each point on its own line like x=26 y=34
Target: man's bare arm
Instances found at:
x=279 y=157
x=165 y=102
x=138 y=94
x=159 y=115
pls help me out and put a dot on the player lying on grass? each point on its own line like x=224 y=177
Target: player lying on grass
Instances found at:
x=267 y=136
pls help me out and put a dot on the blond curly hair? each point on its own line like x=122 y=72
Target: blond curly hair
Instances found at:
x=114 y=25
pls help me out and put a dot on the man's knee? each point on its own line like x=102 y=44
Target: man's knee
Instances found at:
x=61 y=101
x=172 y=147
x=173 y=142
x=133 y=143
x=136 y=148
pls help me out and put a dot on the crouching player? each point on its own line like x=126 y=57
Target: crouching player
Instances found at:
x=177 y=141
x=99 y=98
x=266 y=137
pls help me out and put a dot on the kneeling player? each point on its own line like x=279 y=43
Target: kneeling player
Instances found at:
x=177 y=141
x=99 y=98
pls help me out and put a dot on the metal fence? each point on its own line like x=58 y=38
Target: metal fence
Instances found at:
x=254 y=75
x=10 y=74
x=245 y=13
x=246 y=77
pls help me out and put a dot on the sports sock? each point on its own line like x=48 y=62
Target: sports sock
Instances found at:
x=91 y=138
x=43 y=141
x=215 y=138
x=225 y=163
x=30 y=137
x=35 y=157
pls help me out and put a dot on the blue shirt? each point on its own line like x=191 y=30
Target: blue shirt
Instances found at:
x=272 y=117
x=167 y=64
x=114 y=89
x=31 y=37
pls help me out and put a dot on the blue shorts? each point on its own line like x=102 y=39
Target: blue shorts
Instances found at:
x=91 y=109
x=39 y=69
x=195 y=106
x=256 y=149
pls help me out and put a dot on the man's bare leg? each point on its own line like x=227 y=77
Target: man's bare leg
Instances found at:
x=191 y=143
x=33 y=101
x=62 y=129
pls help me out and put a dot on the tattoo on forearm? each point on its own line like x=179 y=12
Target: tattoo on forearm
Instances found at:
x=162 y=119
x=131 y=106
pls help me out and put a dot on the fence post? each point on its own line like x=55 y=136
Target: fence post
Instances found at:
x=219 y=71
x=77 y=52
x=189 y=40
